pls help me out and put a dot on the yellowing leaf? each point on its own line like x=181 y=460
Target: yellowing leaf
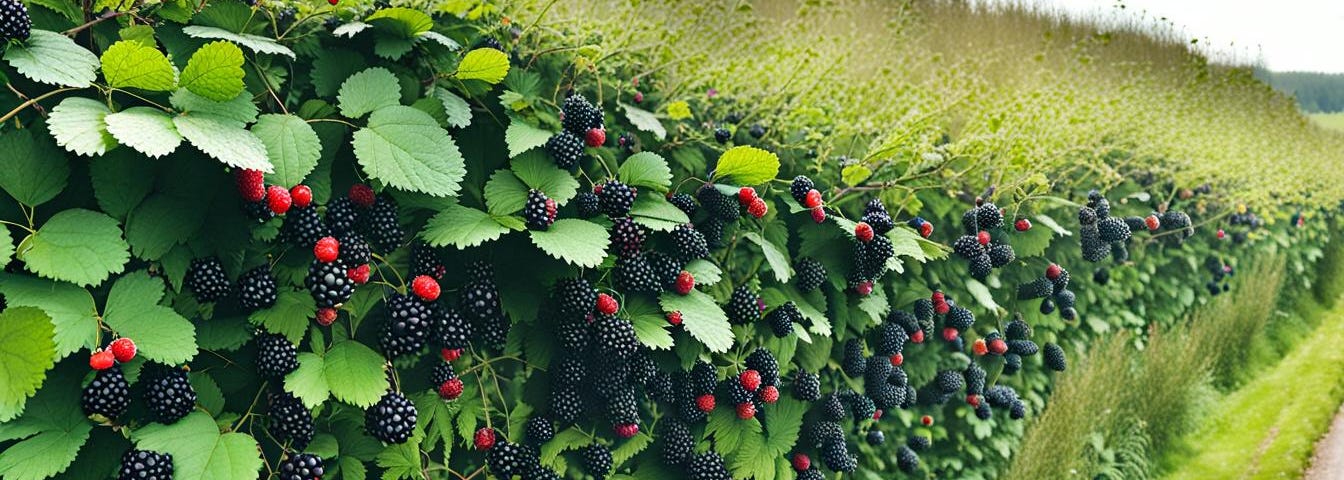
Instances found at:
x=485 y=64
x=131 y=64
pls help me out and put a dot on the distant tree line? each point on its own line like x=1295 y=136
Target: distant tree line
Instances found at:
x=1315 y=92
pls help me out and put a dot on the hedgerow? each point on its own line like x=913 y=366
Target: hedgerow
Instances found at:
x=454 y=241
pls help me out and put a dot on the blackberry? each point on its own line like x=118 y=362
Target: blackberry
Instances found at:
x=911 y=397
x=616 y=198
x=1000 y=396
x=1087 y=216
x=853 y=362
x=665 y=268
x=891 y=338
x=290 y=421
x=743 y=306
x=14 y=21
x=806 y=386
x=949 y=381
x=1001 y=254
x=719 y=206
x=1054 y=357
x=981 y=267
x=539 y=430
x=450 y=330
x=988 y=216
x=875 y=437
x=538 y=211
x=684 y=202
x=1094 y=249
x=575 y=297
x=588 y=204
x=1025 y=348
x=303 y=466
x=1012 y=362
x=659 y=387
x=968 y=247
x=276 y=357
x=712 y=229
x=354 y=250
x=886 y=396
x=1039 y=288
x=874 y=207
x=627 y=237
x=573 y=335
x=688 y=411
x=1065 y=299
x=833 y=408
x=1102 y=207
x=425 y=261
x=168 y=394
x=578 y=115
x=983 y=411
x=880 y=221
x=960 y=318
x=756 y=131
x=1017 y=411
x=764 y=362
x=707 y=466
x=490 y=42
x=1061 y=282
x=479 y=303
x=1120 y=252
x=906 y=459
x=634 y=274
x=975 y=379
x=970 y=224
x=442 y=373
x=898 y=377
x=835 y=454
x=329 y=284
x=567 y=404
x=1017 y=329
x=507 y=459
x=206 y=280
x=678 y=444
x=303 y=227
x=642 y=368
x=615 y=337
x=918 y=442
x=107 y=394
x=722 y=135
x=689 y=243
x=1136 y=224
x=799 y=188
x=861 y=407
x=622 y=407
x=703 y=378
x=342 y=216
x=256 y=289
x=781 y=320
x=258 y=211
x=812 y=473
x=810 y=274
x=875 y=256
x=597 y=460
x=385 y=233
x=825 y=431
x=145 y=465
x=566 y=150
x=1112 y=229
x=731 y=389
x=924 y=310
x=392 y=419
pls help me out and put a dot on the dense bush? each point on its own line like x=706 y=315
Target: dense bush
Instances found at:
x=444 y=242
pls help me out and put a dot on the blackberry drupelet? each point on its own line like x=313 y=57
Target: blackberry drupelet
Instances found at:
x=707 y=466
x=329 y=284
x=616 y=198
x=1054 y=357
x=256 y=289
x=290 y=421
x=302 y=466
x=108 y=394
x=342 y=215
x=627 y=237
x=276 y=357
x=853 y=362
x=678 y=445
x=743 y=306
x=145 y=465
x=385 y=233
x=810 y=274
x=614 y=337
x=597 y=460
x=781 y=320
x=684 y=202
x=303 y=227
x=206 y=280
x=689 y=243
x=168 y=394
x=538 y=211
x=806 y=386
x=392 y=419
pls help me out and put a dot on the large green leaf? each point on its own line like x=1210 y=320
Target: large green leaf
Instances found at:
x=131 y=64
x=577 y=242
x=159 y=223
x=78 y=246
x=458 y=111
x=256 y=43
x=289 y=316
x=778 y=260
x=354 y=373
x=78 y=125
x=237 y=112
x=505 y=194
x=744 y=165
x=199 y=451
x=225 y=141
x=536 y=171
x=646 y=169
x=55 y=59
x=652 y=210
x=485 y=64
x=215 y=71
x=291 y=145
x=644 y=120
x=28 y=350
x=701 y=317
x=70 y=308
x=405 y=148
x=133 y=310
x=121 y=179
x=405 y=22
x=522 y=136
x=53 y=429
x=462 y=227
x=367 y=91
x=34 y=170
x=147 y=130
x=309 y=381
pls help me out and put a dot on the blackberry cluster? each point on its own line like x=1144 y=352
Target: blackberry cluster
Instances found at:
x=875 y=215
x=302 y=466
x=689 y=243
x=684 y=202
x=678 y=444
x=14 y=21
x=392 y=419
x=781 y=320
x=616 y=198
x=764 y=363
x=566 y=149
x=303 y=227
x=743 y=306
x=627 y=237
x=329 y=284
x=578 y=115
x=539 y=211
x=479 y=303
x=385 y=233
x=614 y=337
x=206 y=280
x=107 y=394
x=1173 y=221
x=168 y=394
x=450 y=329
x=276 y=357
x=597 y=460
x=507 y=459
x=256 y=289
x=290 y=420
x=810 y=274
x=145 y=465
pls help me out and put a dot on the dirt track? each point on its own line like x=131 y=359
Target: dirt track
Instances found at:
x=1328 y=461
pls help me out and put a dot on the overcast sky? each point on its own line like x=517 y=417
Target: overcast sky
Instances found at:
x=1286 y=34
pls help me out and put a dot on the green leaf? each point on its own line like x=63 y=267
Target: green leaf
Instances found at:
x=981 y=294
x=651 y=327
x=786 y=422
x=728 y=431
x=485 y=64
x=78 y=125
x=333 y=66
x=131 y=64
x=652 y=210
x=702 y=318
x=505 y=194
x=536 y=171
x=1052 y=225
x=69 y=9
x=309 y=381
x=78 y=246
x=27 y=345
x=35 y=170
x=578 y=242
x=256 y=43
x=53 y=427
x=70 y=308
x=568 y=439
x=225 y=141
x=743 y=165
x=522 y=136
x=1031 y=243
x=291 y=145
x=6 y=246
x=367 y=91
x=355 y=373
x=405 y=148
x=147 y=130
x=855 y=174
x=159 y=223
x=405 y=22
x=289 y=316
x=208 y=394
x=121 y=179
x=646 y=169
x=53 y=59
x=778 y=260
x=352 y=468
x=706 y=273
x=401 y=461
x=644 y=120
x=199 y=451
x=630 y=448
x=237 y=112
x=160 y=334
x=458 y=111
x=462 y=227
x=215 y=71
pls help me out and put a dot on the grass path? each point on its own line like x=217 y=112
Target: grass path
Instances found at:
x=1268 y=428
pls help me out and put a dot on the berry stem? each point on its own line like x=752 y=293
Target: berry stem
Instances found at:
x=400 y=280
x=33 y=101
x=3 y=222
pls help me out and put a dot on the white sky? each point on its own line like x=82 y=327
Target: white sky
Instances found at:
x=1287 y=35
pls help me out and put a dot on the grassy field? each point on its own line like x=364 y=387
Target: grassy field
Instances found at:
x=1333 y=121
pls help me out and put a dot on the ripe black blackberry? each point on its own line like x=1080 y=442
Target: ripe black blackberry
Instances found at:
x=684 y=202
x=206 y=280
x=806 y=386
x=441 y=374
x=812 y=473
x=450 y=329
x=1069 y=314
x=756 y=131
x=687 y=410
x=689 y=243
x=722 y=135
x=707 y=466
x=719 y=206
x=276 y=357
x=407 y=327
x=874 y=209
x=1136 y=224
x=854 y=363
x=906 y=459
x=968 y=247
x=835 y=454
x=660 y=387
x=988 y=216
x=566 y=150
x=732 y=393
x=1094 y=249
x=911 y=397
x=577 y=115
x=960 y=318
x=622 y=406
x=597 y=460
x=1017 y=411
x=924 y=310
x=1113 y=229
x=574 y=335
x=258 y=211
x=1061 y=282
x=981 y=267
x=1001 y=254
x=678 y=445
x=354 y=250
x=567 y=404
x=616 y=198
x=833 y=408
x=810 y=274
x=1025 y=348
x=536 y=213
x=918 y=442
x=634 y=274
x=302 y=466
x=1017 y=329
x=891 y=338
x=168 y=394
x=303 y=227
x=107 y=394
x=1039 y=288
x=764 y=363
x=539 y=430
x=342 y=215
x=975 y=379
x=642 y=368
x=145 y=465
x=385 y=233
x=290 y=421
x=781 y=320
x=875 y=437
x=665 y=267
x=1065 y=299
x=1012 y=362
x=1054 y=357
x=949 y=381
x=425 y=261
x=627 y=237
x=478 y=302
x=392 y=419
x=712 y=229
x=703 y=378
x=1000 y=396
x=743 y=306
x=970 y=224
x=861 y=407
x=1087 y=216
x=875 y=256
x=588 y=204
x=898 y=377
x=574 y=297
x=490 y=42
x=256 y=289
x=14 y=21
x=507 y=459
x=1120 y=252
x=615 y=337
x=329 y=284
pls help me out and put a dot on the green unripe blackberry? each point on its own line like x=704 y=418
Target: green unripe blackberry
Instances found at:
x=108 y=394
x=810 y=274
x=168 y=394
x=276 y=356
x=1054 y=357
x=392 y=419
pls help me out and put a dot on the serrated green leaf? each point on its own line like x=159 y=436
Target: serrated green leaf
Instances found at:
x=132 y=64
x=355 y=373
x=69 y=9
x=981 y=294
x=238 y=111
x=289 y=316
x=223 y=334
x=462 y=227
x=651 y=327
x=786 y=422
x=577 y=242
x=309 y=381
x=208 y=394
x=351 y=468
x=199 y=451
x=78 y=246
x=568 y=439
x=706 y=273
x=1054 y=226
x=53 y=429
x=702 y=318
x=631 y=447
x=368 y=91
x=215 y=71
x=220 y=139
x=1031 y=243
x=778 y=260
x=646 y=169
x=120 y=179
x=728 y=431
x=159 y=223
x=505 y=194
x=256 y=43
x=652 y=210
x=6 y=246
x=456 y=109
x=744 y=165
x=855 y=174
x=147 y=130
x=438 y=38
x=291 y=145
x=35 y=170
x=53 y=59
x=401 y=461
x=133 y=310
x=405 y=22
x=536 y=171
x=78 y=125
x=485 y=64
x=645 y=121
x=70 y=308
x=522 y=136
x=405 y=148
x=27 y=345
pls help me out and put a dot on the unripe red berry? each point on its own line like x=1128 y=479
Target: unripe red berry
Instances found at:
x=818 y=215
x=746 y=195
x=813 y=199
x=750 y=379
x=926 y=420
x=982 y=237
x=1022 y=225
x=301 y=195
x=801 y=462
x=326 y=316
x=123 y=349
x=746 y=410
x=1053 y=271
x=327 y=249
x=595 y=137
x=359 y=275
x=979 y=347
x=425 y=288
x=451 y=389
x=705 y=403
x=950 y=334
x=450 y=354
x=863 y=232
x=361 y=194
x=484 y=438
x=674 y=318
x=102 y=360
x=277 y=198
x=685 y=282
x=607 y=305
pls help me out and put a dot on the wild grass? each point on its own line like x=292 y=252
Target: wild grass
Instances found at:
x=1330 y=121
